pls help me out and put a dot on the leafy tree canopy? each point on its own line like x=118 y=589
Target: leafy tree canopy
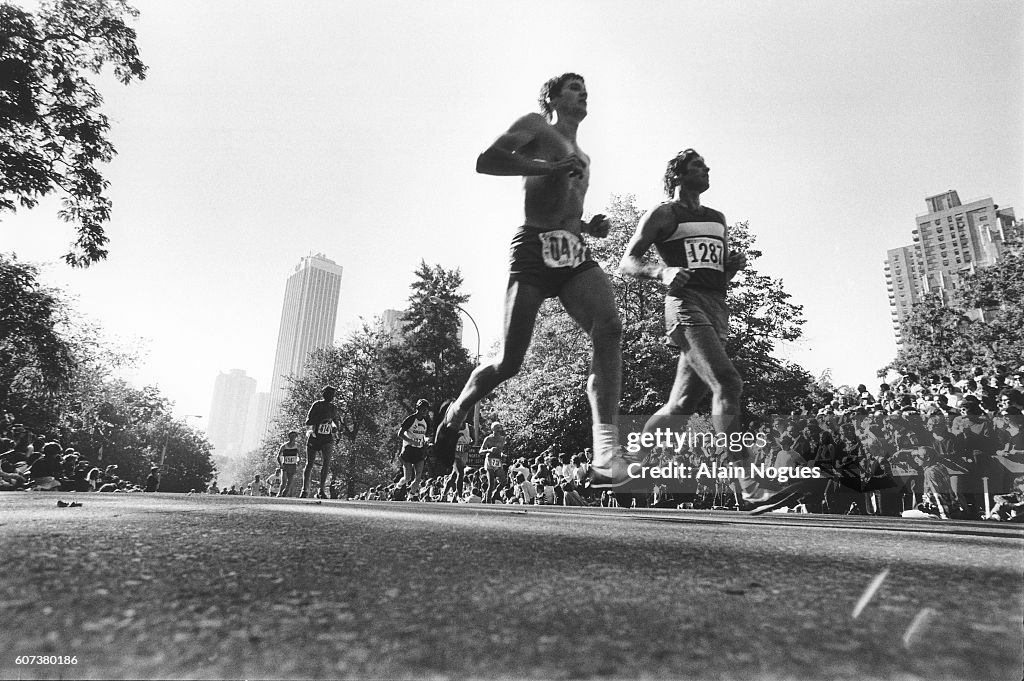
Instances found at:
x=980 y=327
x=53 y=135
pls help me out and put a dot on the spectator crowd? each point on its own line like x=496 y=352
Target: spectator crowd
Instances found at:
x=38 y=462
x=938 y=446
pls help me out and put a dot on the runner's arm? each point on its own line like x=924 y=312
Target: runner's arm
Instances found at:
x=485 y=446
x=652 y=227
x=505 y=157
x=735 y=261
x=403 y=430
x=312 y=412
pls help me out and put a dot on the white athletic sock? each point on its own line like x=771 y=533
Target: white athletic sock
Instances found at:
x=606 y=440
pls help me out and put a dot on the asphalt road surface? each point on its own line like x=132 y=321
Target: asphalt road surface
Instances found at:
x=212 y=587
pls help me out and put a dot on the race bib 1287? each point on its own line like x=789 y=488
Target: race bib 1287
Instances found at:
x=705 y=253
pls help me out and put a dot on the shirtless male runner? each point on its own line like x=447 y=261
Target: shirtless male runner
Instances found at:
x=550 y=258
x=693 y=242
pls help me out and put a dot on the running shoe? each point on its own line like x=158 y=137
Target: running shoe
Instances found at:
x=777 y=501
x=610 y=471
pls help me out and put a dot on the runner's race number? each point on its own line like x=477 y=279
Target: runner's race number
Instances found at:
x=705 y=253
x=562 y=249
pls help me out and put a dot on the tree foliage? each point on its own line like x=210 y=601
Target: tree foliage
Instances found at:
x=61 y=377
x=53 y=135
x=34 y=356
x=428 y=361
x=937 y=338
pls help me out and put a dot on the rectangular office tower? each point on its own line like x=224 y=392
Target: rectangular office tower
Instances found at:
x=232 y=394
x=307 y=321
x=952 y=239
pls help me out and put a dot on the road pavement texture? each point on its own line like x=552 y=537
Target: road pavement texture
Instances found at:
x=174 y=586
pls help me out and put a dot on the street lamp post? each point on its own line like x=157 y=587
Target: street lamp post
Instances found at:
x=476 y=407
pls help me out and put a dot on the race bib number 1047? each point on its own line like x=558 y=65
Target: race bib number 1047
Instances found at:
x=562 y=249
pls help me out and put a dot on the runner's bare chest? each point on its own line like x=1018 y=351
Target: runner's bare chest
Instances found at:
x=556 y=201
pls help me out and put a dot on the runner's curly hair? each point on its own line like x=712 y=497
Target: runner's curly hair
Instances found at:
x=553 y=88
x=675 y=168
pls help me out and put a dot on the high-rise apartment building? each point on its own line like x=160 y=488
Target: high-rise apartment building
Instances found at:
x=308 y=318
x=393 y=322
x=232 y=394
x=951 y=239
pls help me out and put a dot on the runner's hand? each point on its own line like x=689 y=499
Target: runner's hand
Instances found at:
x=735 y=261
x=599 y=226
x=675 y=278
x=571 y=164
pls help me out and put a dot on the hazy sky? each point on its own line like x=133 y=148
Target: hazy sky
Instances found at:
x=267 y=131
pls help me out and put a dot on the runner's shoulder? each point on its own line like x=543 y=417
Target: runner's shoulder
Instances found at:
x=660 y=219
x=531 y=121
x=717 y=215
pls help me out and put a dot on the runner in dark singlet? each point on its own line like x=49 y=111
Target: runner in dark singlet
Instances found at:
x=550 y=258
x=693 y=242
x=322 y=423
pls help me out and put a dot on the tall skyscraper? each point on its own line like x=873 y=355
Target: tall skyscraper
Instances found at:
x=232 y=394
x=256 y=421
x=951 y=240
x=307 y=320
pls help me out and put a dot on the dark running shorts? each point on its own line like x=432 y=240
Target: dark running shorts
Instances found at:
x=695 y=307
x=412 y=455
x=444 y=461
x=547 y=260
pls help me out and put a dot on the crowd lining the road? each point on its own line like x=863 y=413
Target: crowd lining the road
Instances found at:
x=38 y=462
x=946 y=447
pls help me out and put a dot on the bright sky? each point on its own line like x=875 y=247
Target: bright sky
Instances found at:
x=267 y=131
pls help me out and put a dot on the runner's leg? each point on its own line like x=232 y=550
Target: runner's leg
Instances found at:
x=417 y=475
x=307 y=470
x=408 y=473
x=522 y=302
x=590 y=301
x=325 y=453
x=705 y=355
x=688 y=391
